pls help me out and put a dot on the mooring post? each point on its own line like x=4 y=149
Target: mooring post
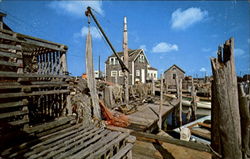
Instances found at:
x=90 y=77
x=180 y=104
x=160 y=108
x=125 y=51
x=193 y=102
x=227 y=119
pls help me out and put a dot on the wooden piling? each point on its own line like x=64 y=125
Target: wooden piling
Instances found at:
x=160 y=108
x=180 y=104
x=244 y=103
x=194 y=102
x=90 y=77
x=125 y=50
x=226 y=92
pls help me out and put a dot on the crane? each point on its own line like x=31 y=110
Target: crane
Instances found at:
x=89 y=13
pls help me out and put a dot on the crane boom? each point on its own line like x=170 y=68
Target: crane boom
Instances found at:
x=89 y=13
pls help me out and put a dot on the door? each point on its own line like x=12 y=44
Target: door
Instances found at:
x=143 y=75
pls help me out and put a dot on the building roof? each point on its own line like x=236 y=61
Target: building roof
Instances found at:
x=132 y=54
x=176 y=67
x=152 y=68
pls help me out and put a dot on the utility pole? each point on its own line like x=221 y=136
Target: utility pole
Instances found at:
x=125 y=51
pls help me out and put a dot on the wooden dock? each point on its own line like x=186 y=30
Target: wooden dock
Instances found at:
x=146 y=117
x=161 y=150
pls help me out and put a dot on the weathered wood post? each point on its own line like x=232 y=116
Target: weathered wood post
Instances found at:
x=193 y=102
x=125 y=51
x=244 y=102
x=180 y=104
x=90 y=77
x=175 y=111
x=227 y=118
x=153 y=86
x=160 y=108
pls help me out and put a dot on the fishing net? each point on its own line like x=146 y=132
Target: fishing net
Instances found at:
x=114 y=119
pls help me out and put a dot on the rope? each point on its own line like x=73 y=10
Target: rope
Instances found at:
x=214 y=152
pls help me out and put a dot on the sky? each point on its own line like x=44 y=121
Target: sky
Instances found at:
x=185 y=33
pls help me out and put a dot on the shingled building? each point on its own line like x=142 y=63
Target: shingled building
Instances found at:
x=138 y=67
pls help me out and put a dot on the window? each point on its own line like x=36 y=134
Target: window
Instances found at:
x=113 y=61
x=174 y=76
x=141 y=59
x=113 y=73
x=121 y=73
x=174 y=69
x=154 y=75
x=137 y=72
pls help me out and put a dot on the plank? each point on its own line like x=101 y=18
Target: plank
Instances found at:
x=27 y=145
x=13 y=64
x=32 y=41
x=93 y=147
x=19 y=122
x=36 y=93
x=7 y=86
x=153 y=137
x=123 y=151
x=47 y=126
x=63 y=141
x=108 y=146
x=95 y=137
x=13 y=104
x=9 y=54
x=12 y=114
x=6 y=46
x=32 y=75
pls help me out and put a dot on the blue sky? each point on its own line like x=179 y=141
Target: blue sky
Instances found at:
x=186 y=33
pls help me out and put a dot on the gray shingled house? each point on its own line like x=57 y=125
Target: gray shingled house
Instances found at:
x=171 y=73
x=138 y=67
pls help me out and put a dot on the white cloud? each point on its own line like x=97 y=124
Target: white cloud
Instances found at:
x=203 y=69
x=205 y=49
x=165 y=47
x=238 y=52
x=84 y=31
x=76 y=8
x=184 y=19
x=143 y=47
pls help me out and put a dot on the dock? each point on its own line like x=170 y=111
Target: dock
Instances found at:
x=146 y=117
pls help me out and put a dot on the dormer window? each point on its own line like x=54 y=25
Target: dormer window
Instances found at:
x=141 y=59
x=113 y=61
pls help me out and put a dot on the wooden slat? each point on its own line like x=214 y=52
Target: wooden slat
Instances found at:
x=76 y=149
x=78 y=145
x=94 y=147
x=58 y=147
x=37 y=93
x=13 y=104
x=153 y=137
x=123 y=151
x=12 y=114
x=47 y=126
x=32 y=42
x=27 y=145
x=15 y=75
x=19 y=122
x=5 y=63
x=107 y=146
x=5 y=46
x=9 y=54
x=34 y=86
